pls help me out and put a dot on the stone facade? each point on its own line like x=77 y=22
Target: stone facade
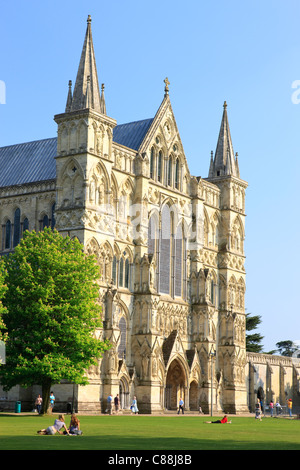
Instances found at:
x=170 y=248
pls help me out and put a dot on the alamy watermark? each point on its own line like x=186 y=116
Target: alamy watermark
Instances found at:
x=2 y=92
x=296 y=94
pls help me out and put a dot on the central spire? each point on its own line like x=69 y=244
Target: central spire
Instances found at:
x=86 y=90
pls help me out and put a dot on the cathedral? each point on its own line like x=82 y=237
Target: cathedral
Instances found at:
x=170 y=249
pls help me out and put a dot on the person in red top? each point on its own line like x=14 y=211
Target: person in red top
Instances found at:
x=222 y=421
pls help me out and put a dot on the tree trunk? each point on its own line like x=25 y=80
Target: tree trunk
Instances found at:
x=46 y=388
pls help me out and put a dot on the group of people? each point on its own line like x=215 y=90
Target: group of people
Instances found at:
x=39 y=401
x=116 y=401
x=259 y=408
x=60 y=427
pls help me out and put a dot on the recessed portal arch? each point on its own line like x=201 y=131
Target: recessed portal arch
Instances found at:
x=176 y=384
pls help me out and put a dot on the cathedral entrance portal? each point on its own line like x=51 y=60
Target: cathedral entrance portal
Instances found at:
x=123 y=394
x=175 y=385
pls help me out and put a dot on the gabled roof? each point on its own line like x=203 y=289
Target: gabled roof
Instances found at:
x=27 y=163
x=31 y=162
x=131 y=134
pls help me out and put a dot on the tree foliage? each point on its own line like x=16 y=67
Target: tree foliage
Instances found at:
x=286 y=348
x=53 y=315
x=253 y=341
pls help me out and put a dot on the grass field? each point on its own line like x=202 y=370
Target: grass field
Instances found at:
x=160 y=433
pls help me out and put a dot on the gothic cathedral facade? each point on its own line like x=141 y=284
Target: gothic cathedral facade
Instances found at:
x=170 y=249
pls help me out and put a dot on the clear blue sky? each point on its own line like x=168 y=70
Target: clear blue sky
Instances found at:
x=247 y=53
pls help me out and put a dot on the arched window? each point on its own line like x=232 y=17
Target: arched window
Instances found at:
x=114 y=270
x=152 y=235
x=7 y=235
x=45 y=222
x=165 y=250
x=170 y=172
x=177 y=170
x=178 y=261
x=127 y=268
x=25 y=224
x=159 y=166
x=122 y=346
x=121 y=272
x=152 y=163
x=17 y=227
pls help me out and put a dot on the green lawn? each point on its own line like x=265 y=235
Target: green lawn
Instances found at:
x=19 y=432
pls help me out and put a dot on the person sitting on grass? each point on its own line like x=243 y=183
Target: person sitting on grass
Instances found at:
x=219 y=421
x=74 y=427
x=57 y=426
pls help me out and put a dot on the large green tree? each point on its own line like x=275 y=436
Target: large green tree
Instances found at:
x=53 y=314
x=253 y=340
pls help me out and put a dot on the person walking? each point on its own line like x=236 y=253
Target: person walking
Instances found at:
x=52 y=401
x=290 y=406
x=38 y=404
x=134 y=407
x=258 y=410
x=117 y=404
x=180 y=407
x=271 y=406
x=109 y=404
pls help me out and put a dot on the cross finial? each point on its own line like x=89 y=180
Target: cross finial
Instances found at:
x=167 y=83
x=225 y=105
x=89 y=20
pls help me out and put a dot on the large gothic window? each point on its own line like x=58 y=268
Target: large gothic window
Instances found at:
x=180 y=268
x=165 y=250
x=178 y=261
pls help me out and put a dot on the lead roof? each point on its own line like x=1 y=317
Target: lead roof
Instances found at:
x=33 y=162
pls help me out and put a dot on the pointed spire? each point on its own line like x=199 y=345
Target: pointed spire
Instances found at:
x=102 y=107
x=87 y=68
x=237 y=165
x=224 y=161
x=69 y=99
x=211 y=167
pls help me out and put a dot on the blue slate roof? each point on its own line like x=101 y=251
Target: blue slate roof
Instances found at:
x=34 y=161
x=131 y=134
x=28 y=163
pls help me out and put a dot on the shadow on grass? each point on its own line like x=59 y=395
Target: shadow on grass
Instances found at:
x=132 y=443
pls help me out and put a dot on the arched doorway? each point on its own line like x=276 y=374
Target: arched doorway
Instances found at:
x=123 y=394
x=175 y=385
x=194 y=402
